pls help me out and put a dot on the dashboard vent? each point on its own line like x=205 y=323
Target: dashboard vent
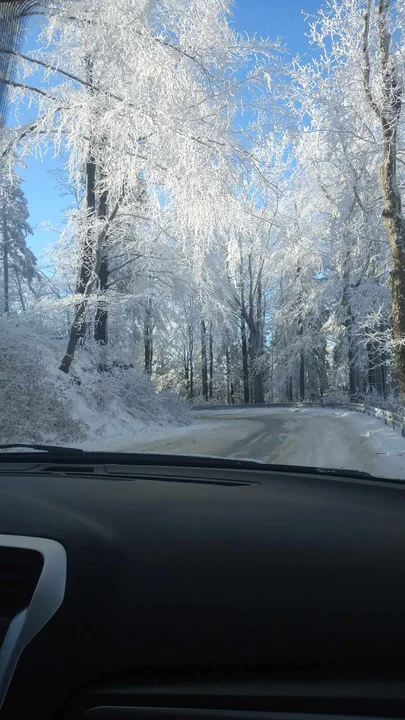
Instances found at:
x=20 y=569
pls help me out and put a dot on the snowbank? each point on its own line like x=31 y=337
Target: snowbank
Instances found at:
x=102 y=402
x=386 y=444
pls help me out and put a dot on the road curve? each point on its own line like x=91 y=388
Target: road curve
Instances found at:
x=320 y=438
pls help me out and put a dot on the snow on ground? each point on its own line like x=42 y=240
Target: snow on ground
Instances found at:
x=115 y=437
x=387 y=444
x=98 y=405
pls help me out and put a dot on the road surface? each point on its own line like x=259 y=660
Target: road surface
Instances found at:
x=311 y=437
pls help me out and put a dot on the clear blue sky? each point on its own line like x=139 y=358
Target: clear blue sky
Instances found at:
x=272 y=19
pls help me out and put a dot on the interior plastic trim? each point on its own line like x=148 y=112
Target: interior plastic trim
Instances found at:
x=46 y=600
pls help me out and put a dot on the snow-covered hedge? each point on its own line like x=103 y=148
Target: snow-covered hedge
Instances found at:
x=111 y=384
x=103 y=397
x=35 y=402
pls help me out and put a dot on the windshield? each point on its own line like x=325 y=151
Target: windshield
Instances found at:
x=202 y=248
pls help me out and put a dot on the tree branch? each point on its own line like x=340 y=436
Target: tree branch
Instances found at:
x=119 y=267
x=28 y=88
x=366 y=62
x=48 y=66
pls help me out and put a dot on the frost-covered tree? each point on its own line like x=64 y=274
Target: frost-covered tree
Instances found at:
x=142 y=90
x=17 y=260
x=339 y=150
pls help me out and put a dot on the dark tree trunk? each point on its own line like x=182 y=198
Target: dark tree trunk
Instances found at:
x=186 y=365
x=245 y=358
x=254 y=351
x=353 y=373
x=87 y=258
x=288 y=379
x=259 y=343
x=81 y=307
x=228 y=375
x=191 y=379
x=349 y=325
x=289 y=389
x=191 y=359
x=19 y=290
x=6 y=304
x=148 y=337
x=211 y=354
x=101 y=320
x=245 y=363
x=301 y=334
x=302 y=377
x=384 y=367
x=258 y=388
x=254 y=318
x=323 y=375
x=271 y=375
x=204 y=370
x=73 y=337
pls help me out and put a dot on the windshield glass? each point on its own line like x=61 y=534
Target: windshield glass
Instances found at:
x=201 y=237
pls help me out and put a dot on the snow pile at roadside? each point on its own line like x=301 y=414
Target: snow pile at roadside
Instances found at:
x=118 y=402
x=35 y=405
x=387 y=445
x=97 y=405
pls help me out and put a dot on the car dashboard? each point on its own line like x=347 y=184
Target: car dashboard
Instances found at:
x=178 y=590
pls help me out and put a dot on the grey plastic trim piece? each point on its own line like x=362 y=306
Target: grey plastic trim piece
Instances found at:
x=113 y=712
x=46 y=600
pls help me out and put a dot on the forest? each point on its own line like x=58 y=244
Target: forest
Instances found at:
x=234 y=231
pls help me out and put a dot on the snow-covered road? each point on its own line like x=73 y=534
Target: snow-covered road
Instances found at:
x=313 y=437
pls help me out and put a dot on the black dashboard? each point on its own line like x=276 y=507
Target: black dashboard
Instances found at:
x=200 y=592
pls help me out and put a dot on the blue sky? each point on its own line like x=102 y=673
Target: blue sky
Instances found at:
x=272 y=19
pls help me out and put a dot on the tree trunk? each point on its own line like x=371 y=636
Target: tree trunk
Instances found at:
x=191 y=379
x=73 y=337
x=228 y=375
x=397 y=237
x=6 y=304
x=271 y=375
x=245 y=359
x=302 y=376
x=204 y=370
x=81 y=307
x=353 y=374
x=383 y=366
x=245 y=363
x=388 y=113
x=288 y=379
x=191 y=359
x=300 y=332
x=211 y=355
x=148 y=337
x=349 y=323
x=254 y=352
x=186 y=365
x=258 y=388
x=259 y=343
x=87 y=258
x=19 y=290
x=289 y=389
x=101 y=320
